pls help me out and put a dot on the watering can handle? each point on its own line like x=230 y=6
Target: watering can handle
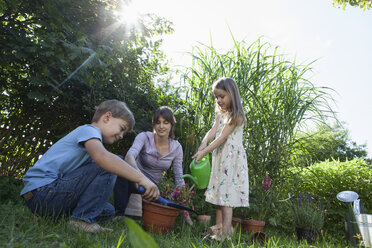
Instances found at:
x=206 y=156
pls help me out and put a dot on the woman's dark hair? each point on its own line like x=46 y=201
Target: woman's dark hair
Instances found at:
x=167 y=114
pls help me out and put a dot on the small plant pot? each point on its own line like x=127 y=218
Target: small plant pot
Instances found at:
x=306 y=234
x=260 y=237
x=253 y=225
x=204 y=219
x=236 y=222
x=158 y=218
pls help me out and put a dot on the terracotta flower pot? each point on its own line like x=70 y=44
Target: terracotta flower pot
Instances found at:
x=236 y=222
x=204 y=219
x=157 y=217
x=253 y=225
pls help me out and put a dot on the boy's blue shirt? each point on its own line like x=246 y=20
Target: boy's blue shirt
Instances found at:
x=64 y=156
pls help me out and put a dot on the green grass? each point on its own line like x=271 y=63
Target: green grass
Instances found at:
x=18 y=228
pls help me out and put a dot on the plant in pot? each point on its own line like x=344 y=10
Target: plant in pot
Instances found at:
x=261 y=201
x=160 y=218
x=183 y=194
x=308 y=216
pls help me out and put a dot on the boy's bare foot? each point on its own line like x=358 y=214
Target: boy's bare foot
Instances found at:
x=87 y=227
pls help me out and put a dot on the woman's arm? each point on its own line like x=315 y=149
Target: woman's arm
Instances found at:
x=135 y=149
x=177 y=166
x=131 y=161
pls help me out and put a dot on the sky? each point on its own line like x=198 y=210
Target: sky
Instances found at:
x=339 y=41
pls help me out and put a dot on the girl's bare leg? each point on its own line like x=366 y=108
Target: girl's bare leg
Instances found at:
x=226 y=221
x=218 y=216
x=217 y=229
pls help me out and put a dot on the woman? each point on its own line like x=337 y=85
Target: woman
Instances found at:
x=152 y=153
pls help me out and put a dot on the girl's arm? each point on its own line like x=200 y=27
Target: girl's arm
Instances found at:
x=217 y=142
x=210 y=134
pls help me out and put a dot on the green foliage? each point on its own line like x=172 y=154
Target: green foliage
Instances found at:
x=363 y=4
x=326 y=142
x=327 y=179
x=10 y=188
x=307 y=212
x=18 y=228
x=276 y=96
x=138 y=237
x=60 y=59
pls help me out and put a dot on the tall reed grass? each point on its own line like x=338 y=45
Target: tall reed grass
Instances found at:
x=277 y=98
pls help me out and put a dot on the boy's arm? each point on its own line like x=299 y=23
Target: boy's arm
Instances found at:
x=222 y=138
x=112 y=163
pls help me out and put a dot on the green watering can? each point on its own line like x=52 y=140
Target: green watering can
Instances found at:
x=200 y=172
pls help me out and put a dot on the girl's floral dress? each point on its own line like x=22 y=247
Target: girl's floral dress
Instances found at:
x=228 y=184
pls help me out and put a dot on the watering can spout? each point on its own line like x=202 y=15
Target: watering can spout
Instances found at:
x=194 y=179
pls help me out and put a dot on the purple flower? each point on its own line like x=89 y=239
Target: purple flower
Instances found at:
x=266 y=182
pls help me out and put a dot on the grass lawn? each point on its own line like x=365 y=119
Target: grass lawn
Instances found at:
x=18 y=228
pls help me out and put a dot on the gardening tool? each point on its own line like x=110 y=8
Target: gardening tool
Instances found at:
x=200 y=172
x=351 y=226
x=161 y=200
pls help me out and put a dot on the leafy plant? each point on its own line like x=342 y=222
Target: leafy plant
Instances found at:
x=10 y=188
x=181 y=194
x=262 y=199
x=307 y=212
x=326 y=179
x=59 y=60
x=137 y=236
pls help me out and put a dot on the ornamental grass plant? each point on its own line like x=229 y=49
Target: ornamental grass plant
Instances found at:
x=307 y=212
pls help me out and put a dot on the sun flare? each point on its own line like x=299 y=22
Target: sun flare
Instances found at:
x=128 y=14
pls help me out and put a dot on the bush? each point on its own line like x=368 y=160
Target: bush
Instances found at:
x=10 y=188
x=327 y=179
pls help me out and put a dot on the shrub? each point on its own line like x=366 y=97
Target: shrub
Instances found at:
x=326 y=179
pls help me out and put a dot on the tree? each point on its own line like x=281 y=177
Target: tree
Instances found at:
x=363 y=4
x=326 y=143
x=59 y=59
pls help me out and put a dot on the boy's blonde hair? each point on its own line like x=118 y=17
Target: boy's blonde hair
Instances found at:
x=118 y=109
x=237 y=116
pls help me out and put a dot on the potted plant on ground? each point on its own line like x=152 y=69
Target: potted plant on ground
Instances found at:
x=261 y=200
x=308 y=216
x=183 y=194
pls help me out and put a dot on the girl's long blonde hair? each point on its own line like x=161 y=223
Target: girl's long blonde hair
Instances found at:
x=237 y=116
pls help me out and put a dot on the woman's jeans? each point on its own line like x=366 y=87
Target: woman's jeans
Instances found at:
x=122 y=191
x=83 y=193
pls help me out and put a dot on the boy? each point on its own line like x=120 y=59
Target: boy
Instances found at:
x=77 y=174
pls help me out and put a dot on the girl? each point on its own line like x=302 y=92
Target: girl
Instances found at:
x=228 y=185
